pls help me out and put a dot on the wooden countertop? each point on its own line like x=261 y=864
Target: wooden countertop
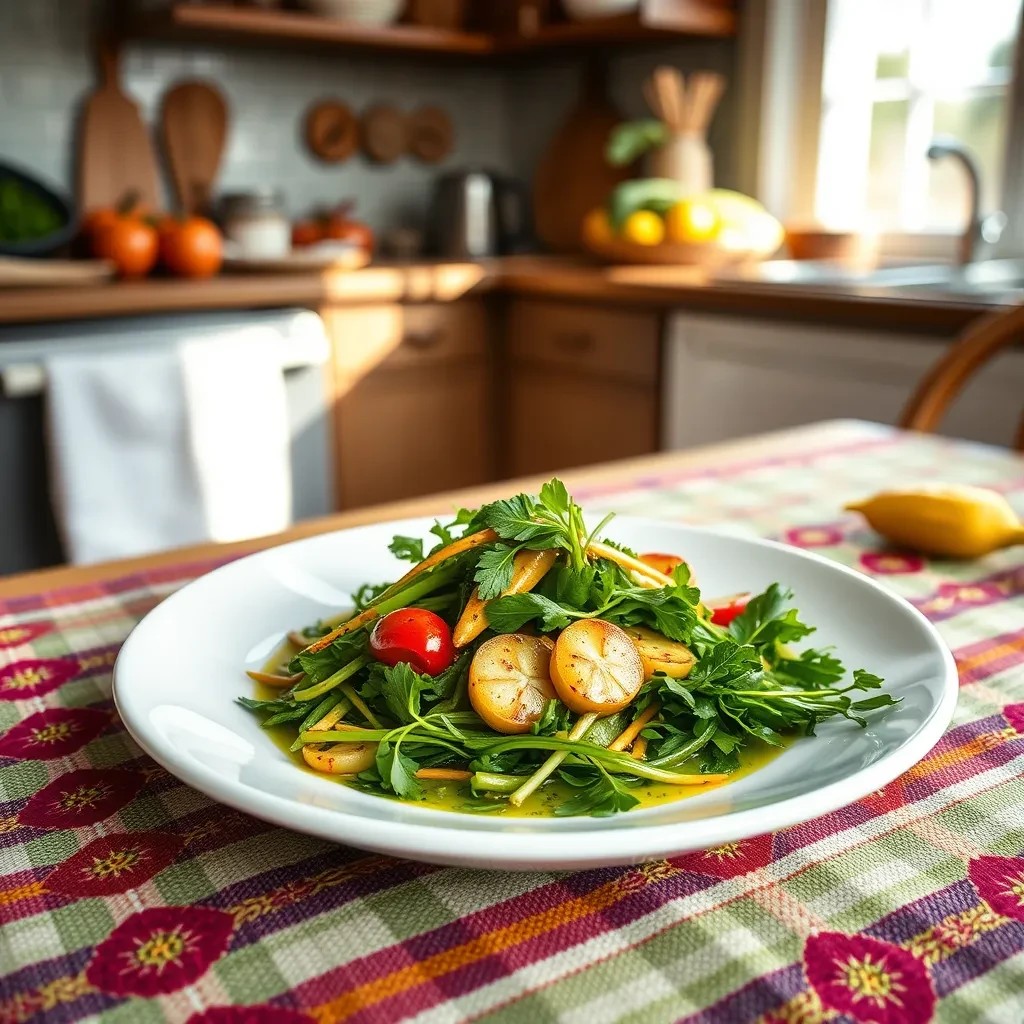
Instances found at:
x=816 y=436
x=539 y=276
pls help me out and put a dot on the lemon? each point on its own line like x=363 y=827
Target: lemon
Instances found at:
x=644 y=228
x=692 y=221
x=597 y=227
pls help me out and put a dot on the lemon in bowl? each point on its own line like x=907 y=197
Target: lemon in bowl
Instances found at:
x=692 y=221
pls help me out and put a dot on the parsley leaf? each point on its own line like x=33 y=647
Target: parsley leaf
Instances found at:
x=324 y=663
x=605 y=795
x=812 y=668
x=554 y=719
x=397 y=771
x=494 y=570
x=507 y=614
x=767 y=620
x=409 y=549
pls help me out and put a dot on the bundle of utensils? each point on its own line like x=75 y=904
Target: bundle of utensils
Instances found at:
x=685 y=106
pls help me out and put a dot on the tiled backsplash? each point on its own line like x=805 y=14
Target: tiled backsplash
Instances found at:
x=502 y=115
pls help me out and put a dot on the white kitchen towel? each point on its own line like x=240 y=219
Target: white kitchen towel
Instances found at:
x=238 y=427
x=162 y=446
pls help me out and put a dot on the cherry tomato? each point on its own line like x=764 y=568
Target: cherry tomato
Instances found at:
x=725 y=609
x=306 y=232
x=340 y=225
x=415 y=635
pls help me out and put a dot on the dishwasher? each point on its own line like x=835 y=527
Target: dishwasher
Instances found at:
x=28 y=533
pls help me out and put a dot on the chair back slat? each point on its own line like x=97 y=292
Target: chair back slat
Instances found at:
x=983 y=339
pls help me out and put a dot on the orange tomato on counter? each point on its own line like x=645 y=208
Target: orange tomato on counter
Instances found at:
x=191 y=246
x=340 y=226
x=128 y=241
x=306 y=232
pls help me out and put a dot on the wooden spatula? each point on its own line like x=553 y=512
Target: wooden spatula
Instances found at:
x=116 y=155
x=194 y=124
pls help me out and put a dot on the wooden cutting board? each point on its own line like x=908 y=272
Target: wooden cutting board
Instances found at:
x=115 y=151
x=573 y=176
x=17 y=272
x=194 y=126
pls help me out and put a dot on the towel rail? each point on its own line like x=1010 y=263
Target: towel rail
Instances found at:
x=26 y=380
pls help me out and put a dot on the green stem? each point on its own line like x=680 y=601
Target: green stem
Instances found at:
x=328 y=684
x=491 y=782
x=346 y=707
x=360 y=705
x=597 y=529
x=551 y=764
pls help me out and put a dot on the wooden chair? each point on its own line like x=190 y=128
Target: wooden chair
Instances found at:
x=981 y=340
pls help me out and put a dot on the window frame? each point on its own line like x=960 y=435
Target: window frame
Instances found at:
x=781 y=58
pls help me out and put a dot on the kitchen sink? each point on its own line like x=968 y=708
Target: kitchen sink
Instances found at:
x=995 y=281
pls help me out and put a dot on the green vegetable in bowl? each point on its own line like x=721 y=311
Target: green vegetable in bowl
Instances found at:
x=25 y=215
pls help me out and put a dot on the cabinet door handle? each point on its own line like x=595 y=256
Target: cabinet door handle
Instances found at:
x=424 y=339
x=575 y=341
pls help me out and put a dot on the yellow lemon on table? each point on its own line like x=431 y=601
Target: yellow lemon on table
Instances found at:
x=692 y=221
x=644 y=227
x=597 y=228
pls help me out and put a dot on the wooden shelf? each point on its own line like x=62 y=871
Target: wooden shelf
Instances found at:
x=202 y=23
x=700 y=19
x=225 y=24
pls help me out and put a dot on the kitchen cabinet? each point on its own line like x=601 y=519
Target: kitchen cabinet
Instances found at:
x=412 y=399
x=729 y=377
x=581 y=385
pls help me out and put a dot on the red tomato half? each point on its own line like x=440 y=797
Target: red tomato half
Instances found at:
x=416 y=636
x=725 y=609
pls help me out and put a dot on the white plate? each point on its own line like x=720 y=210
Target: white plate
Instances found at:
x=178 y=674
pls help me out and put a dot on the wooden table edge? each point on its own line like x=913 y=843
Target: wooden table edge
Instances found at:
x=824 y=435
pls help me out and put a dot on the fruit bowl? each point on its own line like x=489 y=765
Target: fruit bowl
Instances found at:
x=647 y=221
x=705 y=254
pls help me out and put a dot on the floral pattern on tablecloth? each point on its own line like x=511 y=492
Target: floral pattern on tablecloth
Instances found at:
x=129 y=897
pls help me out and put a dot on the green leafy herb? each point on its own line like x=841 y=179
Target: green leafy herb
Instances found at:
x=605 y=795
x=409 y=549
x=768 y=620
x=494 y=570
x=629 y=141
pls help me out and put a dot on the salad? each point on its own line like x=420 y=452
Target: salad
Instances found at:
x=525 y=659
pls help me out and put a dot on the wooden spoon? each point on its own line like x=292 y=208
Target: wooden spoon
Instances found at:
x=194 y=120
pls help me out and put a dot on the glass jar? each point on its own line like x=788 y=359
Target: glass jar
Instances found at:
x=256 y=224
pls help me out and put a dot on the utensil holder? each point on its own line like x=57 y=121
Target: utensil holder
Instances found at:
x=686 y=159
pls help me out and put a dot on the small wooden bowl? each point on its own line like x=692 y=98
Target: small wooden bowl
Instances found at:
x=847 y=247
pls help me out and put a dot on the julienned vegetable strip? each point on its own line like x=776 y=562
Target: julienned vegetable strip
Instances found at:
x=633 y=565
x=567 y=651
x=444 y=775
x=579 y=730
x=274 y=679
x=528 y=569
x=396 y=596
x=630 y=733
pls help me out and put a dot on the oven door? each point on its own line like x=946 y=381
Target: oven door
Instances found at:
x=28 y=533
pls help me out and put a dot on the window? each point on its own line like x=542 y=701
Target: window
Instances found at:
x=896 y=74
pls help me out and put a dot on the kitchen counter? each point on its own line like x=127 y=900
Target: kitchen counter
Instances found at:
x=541 y=276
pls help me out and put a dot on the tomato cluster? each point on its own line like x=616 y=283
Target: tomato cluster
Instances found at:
x=135 y=241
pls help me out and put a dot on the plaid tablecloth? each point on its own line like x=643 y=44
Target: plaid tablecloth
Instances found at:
x=128 y=896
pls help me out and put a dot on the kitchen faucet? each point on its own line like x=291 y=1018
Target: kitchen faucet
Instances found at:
x=978 y=229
